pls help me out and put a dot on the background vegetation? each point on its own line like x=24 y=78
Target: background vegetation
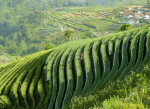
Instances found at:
x=26 y=26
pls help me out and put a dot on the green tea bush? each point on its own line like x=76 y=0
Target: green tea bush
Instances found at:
x=91 y=73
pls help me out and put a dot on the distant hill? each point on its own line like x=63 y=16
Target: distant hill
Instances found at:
x=27 y=25
x=26 y=34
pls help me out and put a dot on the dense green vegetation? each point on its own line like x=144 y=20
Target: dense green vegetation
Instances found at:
x=23 y=70
x=97 y=68
x=26 y=26
x=88 y=71
x=133 y=92
x=125 y=27
x=27 y=33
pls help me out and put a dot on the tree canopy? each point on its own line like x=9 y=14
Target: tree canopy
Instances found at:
x=125 y=27
x=68 y=34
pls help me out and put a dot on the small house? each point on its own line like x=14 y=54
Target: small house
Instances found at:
x=130 y=9
x=132 y=21
x=141 y=16
x=136 y=16
x=139 y=12
x=146 y=16
x=130 y=16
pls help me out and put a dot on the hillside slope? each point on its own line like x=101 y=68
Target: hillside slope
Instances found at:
x=73 y=69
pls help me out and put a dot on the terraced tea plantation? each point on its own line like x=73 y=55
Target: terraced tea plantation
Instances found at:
x=85 y=22
x=50 y=79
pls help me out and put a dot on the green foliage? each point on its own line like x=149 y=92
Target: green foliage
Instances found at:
x=125 y=27
x=49 y=46
x=68 y=34
x=132 y=92
x=55 y=73
x=79 y=73
x=114 y=103
x=28 y=31
x=26 y=26
x=21 y=70
x=70 y=81
x=88 y=68
x=62 y=77
x=100 y=69
x=5 y=101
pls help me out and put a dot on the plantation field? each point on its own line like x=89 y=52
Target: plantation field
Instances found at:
x=52 y=78
x=86 y=22
x=28 y=33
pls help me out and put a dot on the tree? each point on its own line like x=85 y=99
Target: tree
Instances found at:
x=49 y=46
x=1 y=49
x=148 y=3
x=23 y=47
x=68 y=34
x=125 y=27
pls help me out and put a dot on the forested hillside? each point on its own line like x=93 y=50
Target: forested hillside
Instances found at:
x=28 y=33
x=26 y=26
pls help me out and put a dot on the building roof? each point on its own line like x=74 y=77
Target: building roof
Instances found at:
x=132 y=19
x=141 y=15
